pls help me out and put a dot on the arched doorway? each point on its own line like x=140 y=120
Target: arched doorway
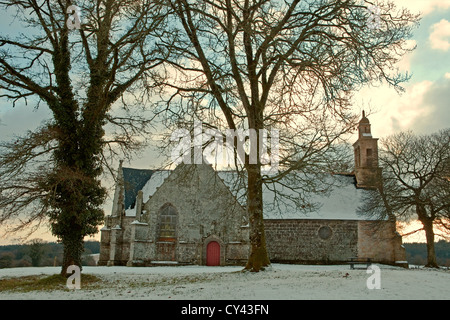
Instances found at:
x=213 y=254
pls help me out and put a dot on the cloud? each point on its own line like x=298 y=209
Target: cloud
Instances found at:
x=421 y=108
x=435 y=102
x=440 y=35
x=17 y=121
x=425 y=7
x=404 y=109
x=404 y=65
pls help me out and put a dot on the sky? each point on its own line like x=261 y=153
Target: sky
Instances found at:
x=422 y=108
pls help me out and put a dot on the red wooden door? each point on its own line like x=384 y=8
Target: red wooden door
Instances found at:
x=213 y=254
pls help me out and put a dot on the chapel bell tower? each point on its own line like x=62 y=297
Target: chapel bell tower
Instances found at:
x=367 y=171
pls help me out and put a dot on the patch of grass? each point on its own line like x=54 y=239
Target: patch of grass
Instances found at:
x=44 y=283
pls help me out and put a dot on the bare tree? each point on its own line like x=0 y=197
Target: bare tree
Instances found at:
x=78 y=62
x=416 y=183
x=290 y=65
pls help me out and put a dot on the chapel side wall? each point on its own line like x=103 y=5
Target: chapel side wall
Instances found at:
x=379 y=240
x=120 y=242
x=298 y=241
x=142 y=250
x=115 y=241
x=105 y=242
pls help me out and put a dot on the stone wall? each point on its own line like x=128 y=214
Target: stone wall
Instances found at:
x=311 y=241
x=332 y=241
x=105 y=238
x=205 y=208
x=115 y=241
x=380 y=241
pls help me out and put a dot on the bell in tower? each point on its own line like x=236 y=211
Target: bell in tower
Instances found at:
x=367 y=171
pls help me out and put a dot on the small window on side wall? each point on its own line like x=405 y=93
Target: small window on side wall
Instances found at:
x=325 y=232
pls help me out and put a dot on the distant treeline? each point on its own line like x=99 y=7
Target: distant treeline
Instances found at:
x=37 y=253
x=416 y=253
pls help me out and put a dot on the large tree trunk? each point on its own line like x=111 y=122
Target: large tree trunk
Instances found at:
x=429 y=233
x=427 y=223
x=73 y=248
x=259 y=257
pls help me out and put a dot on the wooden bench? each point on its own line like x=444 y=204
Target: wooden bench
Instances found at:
x=359 y=261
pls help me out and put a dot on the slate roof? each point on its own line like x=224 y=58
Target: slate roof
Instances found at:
x=134 y=180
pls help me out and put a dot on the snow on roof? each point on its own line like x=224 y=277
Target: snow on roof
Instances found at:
x=340 y=202
x=339 y=199
x=130 y=212
x=156 y=180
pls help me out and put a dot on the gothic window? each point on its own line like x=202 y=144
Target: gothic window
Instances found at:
x=167 y=223
x=369 y=152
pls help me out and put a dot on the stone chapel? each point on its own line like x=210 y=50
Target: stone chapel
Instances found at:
x=191 y=215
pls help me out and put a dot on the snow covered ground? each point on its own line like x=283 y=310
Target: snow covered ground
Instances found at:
x=280 y=282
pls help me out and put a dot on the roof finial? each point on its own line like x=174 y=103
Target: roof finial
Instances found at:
x=364 y=114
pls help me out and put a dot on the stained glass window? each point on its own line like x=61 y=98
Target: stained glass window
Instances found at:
x=167 y=223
